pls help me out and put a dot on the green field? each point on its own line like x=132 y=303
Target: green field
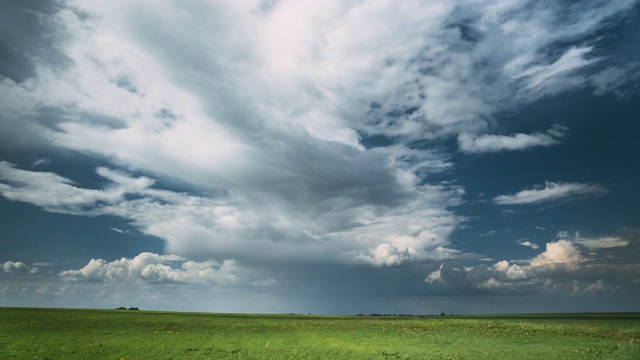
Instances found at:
x=117 y=334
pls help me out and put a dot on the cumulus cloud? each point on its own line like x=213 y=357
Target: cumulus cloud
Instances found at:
x=19 y=267
x=575 y=266
x=598 y=287
x=154 y=268
x=558 y=253
x=551 y=191
x=501 y=275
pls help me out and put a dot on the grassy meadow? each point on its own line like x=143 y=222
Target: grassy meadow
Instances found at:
x=27 y=333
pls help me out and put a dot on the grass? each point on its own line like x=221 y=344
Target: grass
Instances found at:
x=111 y=334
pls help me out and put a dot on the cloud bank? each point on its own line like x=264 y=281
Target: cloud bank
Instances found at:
x=576 y=266
x=226 y=225
x=154 y=268
x=267 y=115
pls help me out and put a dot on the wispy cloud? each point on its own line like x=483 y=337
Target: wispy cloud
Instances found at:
x=602 y=243
x=489 y=233
x=615 y=79
x=495 y=143
x=42 y=264
x=40 y=162
x=527 y=243
x=557 y=76
x=551 y=191
x=59 y=194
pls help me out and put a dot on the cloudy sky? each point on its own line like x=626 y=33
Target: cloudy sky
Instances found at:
x=320 y=156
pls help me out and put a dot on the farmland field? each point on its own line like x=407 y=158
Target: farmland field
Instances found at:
x=122 y=334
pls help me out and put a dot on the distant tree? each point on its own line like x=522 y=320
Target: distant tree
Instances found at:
x=133 y=308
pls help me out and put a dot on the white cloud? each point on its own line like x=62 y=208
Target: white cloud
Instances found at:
x=18 y=266
x=435 y=275
x=40 y=162
x=511 y=271
x=495 y=143
x=58 y=194
x=42 y=264
x=602 y=243
x=558 y=253
x=503 y=275
x=154 y=268
x=552 y=191
x=489 y=233
x=556 y=77
x=527 y=243
x=600 y=286
x=577 y=266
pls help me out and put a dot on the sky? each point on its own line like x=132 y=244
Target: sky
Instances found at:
x=330 y=157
